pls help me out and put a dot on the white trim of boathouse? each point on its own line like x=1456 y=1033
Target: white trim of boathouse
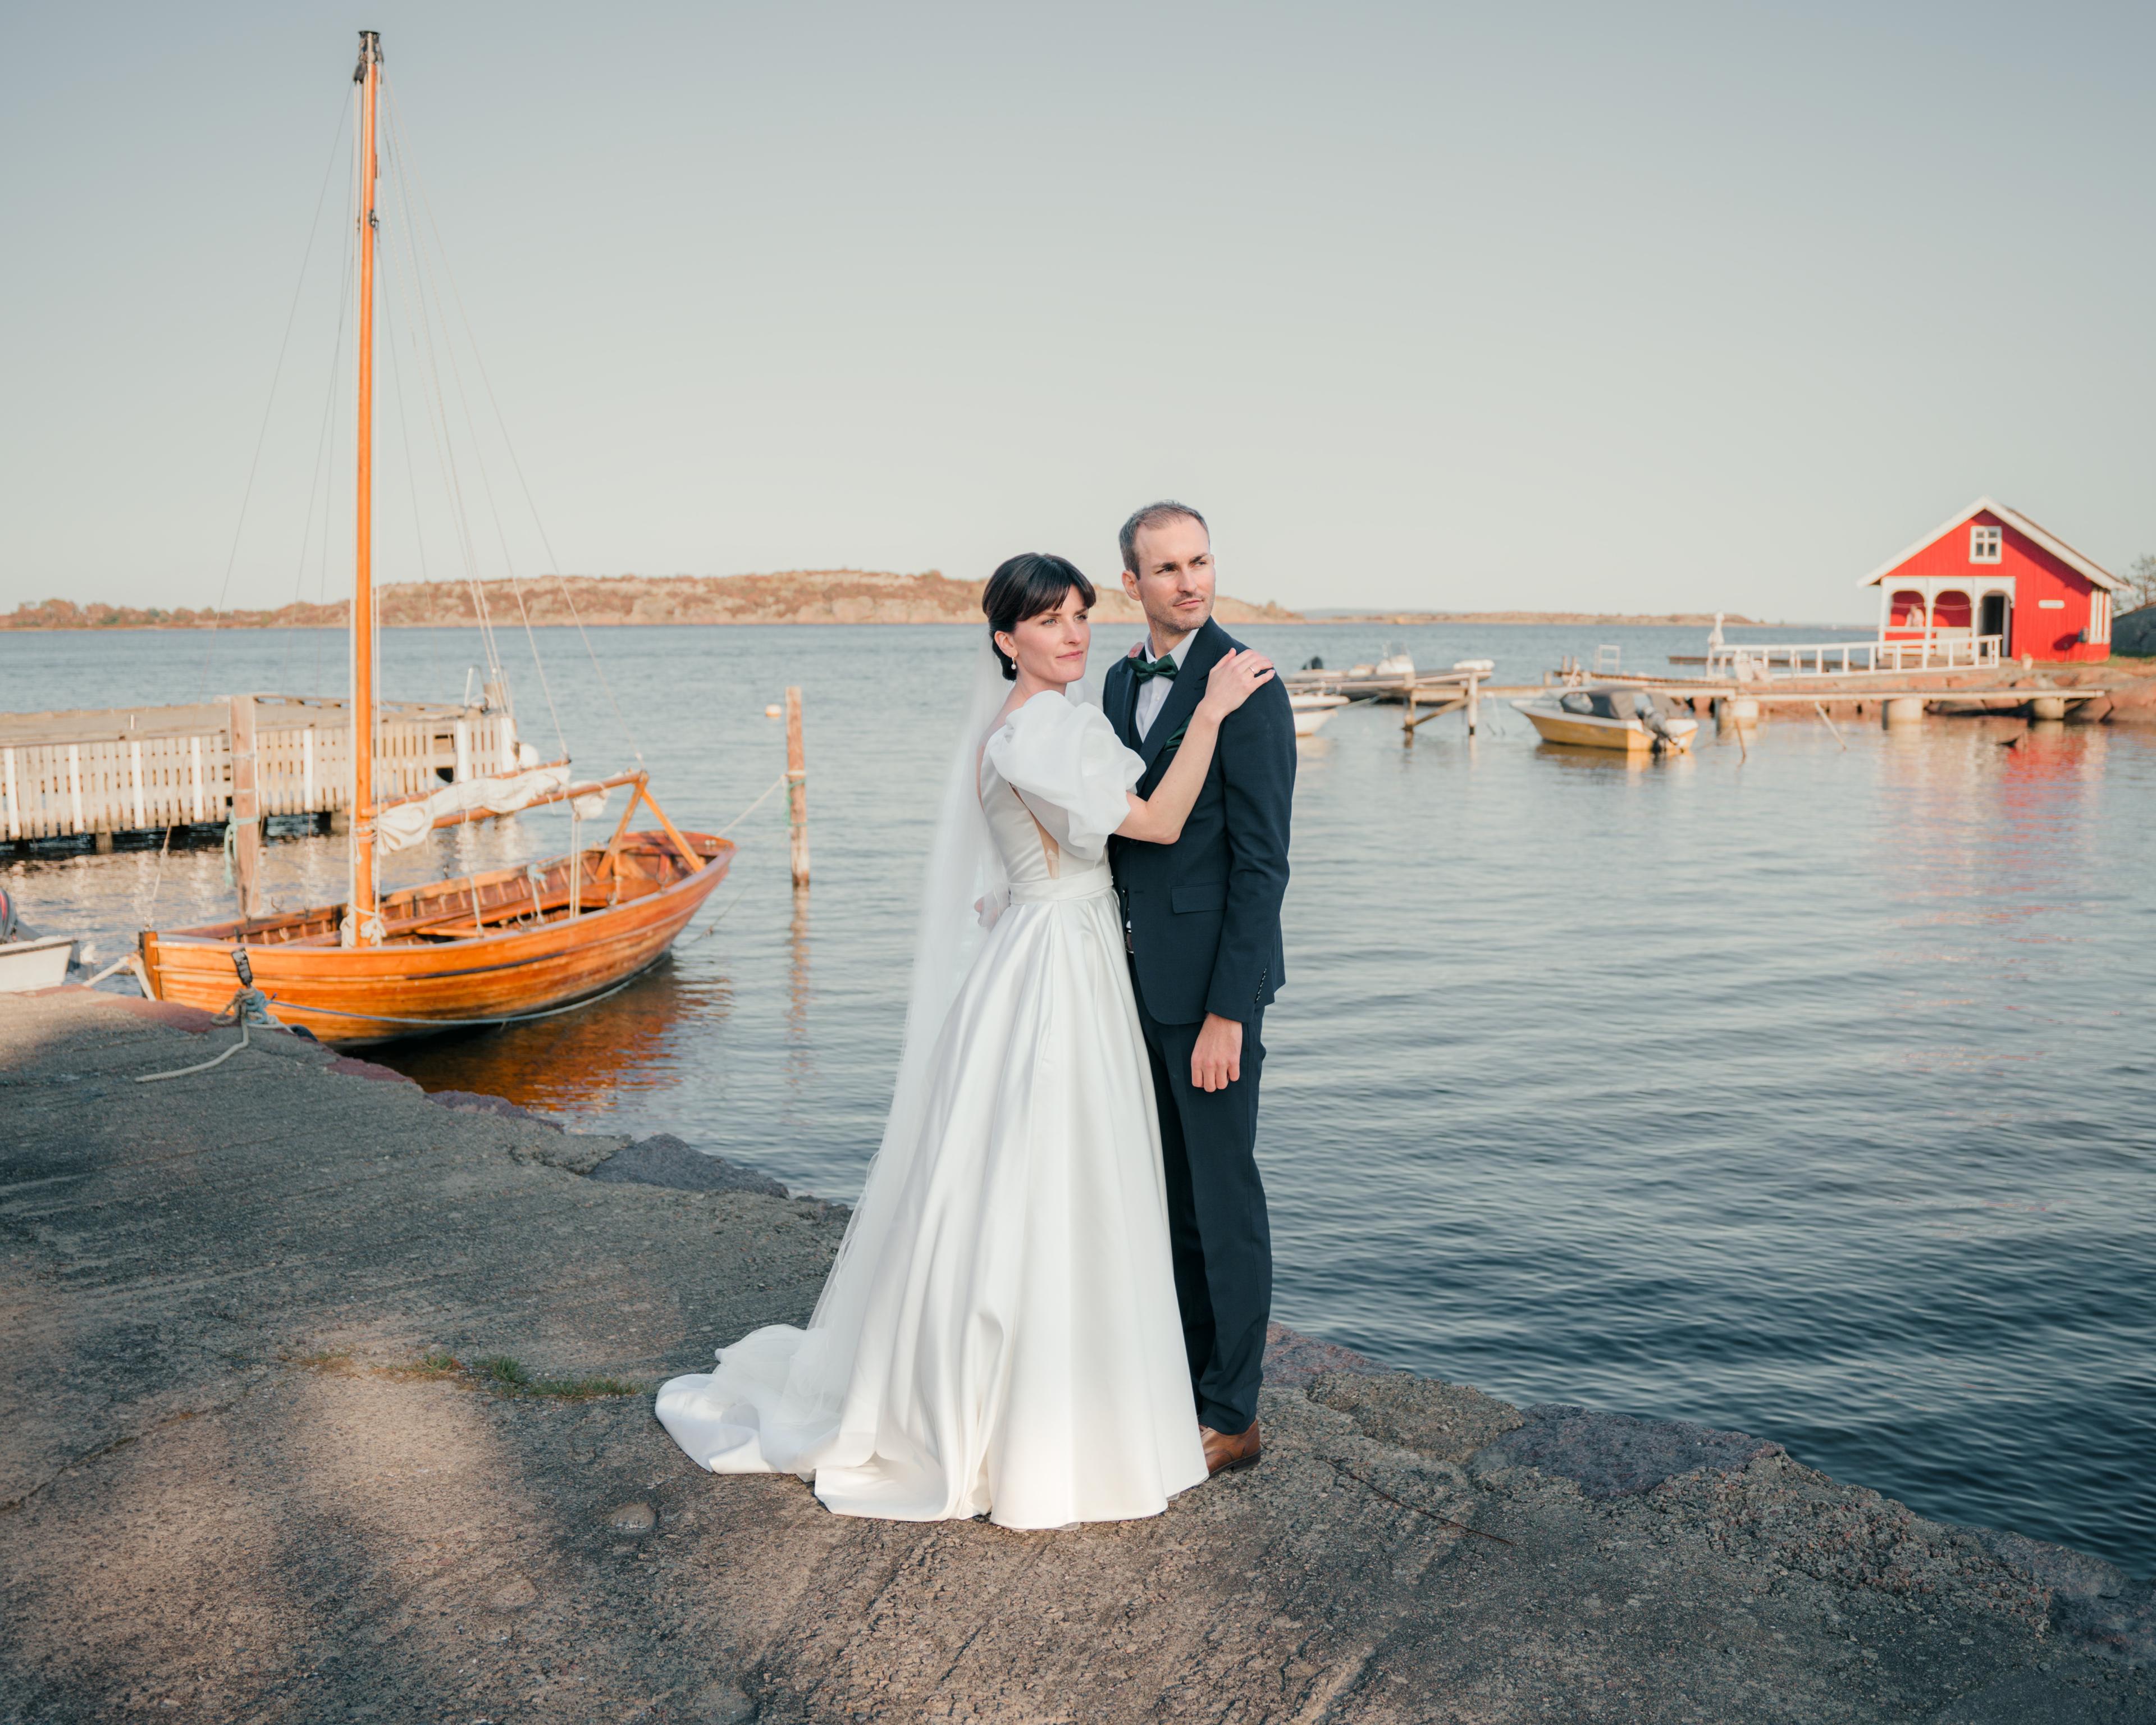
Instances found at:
x=2102 y=577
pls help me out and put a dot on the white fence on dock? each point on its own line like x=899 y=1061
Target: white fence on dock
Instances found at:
x=1935 y=650
x=63 y=774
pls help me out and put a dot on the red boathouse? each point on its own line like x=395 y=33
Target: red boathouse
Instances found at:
x=1992 y=576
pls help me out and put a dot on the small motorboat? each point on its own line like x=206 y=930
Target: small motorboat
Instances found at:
x=1396 y=663
x=28 y=960
x=1312 y=711
x=1632 y=720
x=39 y=963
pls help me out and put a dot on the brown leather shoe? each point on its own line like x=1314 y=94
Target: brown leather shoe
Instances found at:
x=1225 y=1452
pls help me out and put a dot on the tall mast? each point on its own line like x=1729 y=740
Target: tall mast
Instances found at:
x=364 y=923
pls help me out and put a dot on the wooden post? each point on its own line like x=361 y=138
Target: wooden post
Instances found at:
x=797 y=789
x=1408 y=723
x=1474 y=701
x=246 y=811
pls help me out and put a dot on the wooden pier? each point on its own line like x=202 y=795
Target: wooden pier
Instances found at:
x=1425 y=694
x=1898 y=700
x=101 y=773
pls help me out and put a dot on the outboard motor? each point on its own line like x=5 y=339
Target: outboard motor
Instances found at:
x=1658 y=727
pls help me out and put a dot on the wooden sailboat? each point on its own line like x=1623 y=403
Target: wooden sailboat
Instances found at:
x=478 y=949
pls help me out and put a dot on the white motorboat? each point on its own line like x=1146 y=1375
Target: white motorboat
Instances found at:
x=39 y=963
x=1633 y=719
x=1312 y=711
x=1395 y=663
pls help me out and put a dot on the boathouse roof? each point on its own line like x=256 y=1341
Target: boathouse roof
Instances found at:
x=2074 y=560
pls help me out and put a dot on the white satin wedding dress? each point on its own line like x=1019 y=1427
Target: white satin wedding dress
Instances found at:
x=1000 y=1333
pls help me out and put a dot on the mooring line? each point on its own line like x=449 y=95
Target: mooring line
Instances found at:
x=752 y=807
x=513 y=1018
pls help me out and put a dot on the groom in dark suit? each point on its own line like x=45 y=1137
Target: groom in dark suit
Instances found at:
x=1201 y=917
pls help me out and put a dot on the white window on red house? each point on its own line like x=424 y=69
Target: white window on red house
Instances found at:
x=1983 y=544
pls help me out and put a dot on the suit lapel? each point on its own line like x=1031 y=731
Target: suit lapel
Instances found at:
x=1122 y=695
x=1200 y=655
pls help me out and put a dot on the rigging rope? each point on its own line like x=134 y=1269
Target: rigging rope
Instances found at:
x=411 y=477
x=425 y=205
x=318 y=477
x=406 y=174
x=438 y=423
x=438 y=416
x=262 y=435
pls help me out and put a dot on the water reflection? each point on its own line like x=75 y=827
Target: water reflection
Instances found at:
x=1580 y=758
x=800 y=1048
x=625 y=1049
x=1803 y=1093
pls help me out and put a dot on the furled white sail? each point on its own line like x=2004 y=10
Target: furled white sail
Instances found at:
x=402 y=825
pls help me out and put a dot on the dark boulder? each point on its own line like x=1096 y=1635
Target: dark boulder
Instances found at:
x=1617 y=1454
x=664 y=1160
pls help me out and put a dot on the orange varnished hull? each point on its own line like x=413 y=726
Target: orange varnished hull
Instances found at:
x=441 y=966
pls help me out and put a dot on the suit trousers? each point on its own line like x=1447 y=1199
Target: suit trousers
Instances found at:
x=1216 y=1218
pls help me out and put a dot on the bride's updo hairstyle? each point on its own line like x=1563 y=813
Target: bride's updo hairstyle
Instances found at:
x=1029 y=584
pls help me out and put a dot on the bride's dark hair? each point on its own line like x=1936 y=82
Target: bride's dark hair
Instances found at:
x=1029 y=584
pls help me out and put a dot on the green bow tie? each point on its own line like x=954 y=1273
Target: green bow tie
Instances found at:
x=1164 y=666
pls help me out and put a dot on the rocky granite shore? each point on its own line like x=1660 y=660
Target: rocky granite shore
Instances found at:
x=328 y=1400
x=622 y=601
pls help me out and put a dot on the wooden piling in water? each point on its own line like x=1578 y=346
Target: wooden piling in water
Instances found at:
x=246 y=806
x=797 y=790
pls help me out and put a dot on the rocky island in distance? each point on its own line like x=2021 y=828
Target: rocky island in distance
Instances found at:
x=793 y=596
x=613 y=601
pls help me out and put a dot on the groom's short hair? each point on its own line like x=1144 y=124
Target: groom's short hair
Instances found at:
x=1153 y=516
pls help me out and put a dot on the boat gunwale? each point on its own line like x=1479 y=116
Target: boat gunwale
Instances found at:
x=202 y=940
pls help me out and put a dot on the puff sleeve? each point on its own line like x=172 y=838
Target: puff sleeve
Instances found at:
x=1069 y=767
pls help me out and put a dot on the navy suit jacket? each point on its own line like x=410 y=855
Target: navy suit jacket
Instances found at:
x=1204 y=912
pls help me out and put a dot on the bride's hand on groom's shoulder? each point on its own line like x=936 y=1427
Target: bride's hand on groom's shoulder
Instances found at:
x=1234 y=677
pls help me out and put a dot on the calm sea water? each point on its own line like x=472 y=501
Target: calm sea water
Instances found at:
x=1808 y=1095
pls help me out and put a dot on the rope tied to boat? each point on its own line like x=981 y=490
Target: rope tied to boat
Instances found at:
x=248 y=1006
x=501 y=1018
x=783 y=779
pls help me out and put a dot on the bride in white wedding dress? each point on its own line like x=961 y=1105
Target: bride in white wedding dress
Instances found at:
x=999 y=1335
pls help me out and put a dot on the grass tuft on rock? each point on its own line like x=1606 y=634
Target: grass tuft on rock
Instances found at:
x=583 y=1389
x=503 y=1372
x=505 y=1375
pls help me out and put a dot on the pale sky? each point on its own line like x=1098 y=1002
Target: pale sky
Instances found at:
x=1599 y=307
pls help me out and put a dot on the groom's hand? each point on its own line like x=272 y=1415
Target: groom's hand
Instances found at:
x=1217 y=1061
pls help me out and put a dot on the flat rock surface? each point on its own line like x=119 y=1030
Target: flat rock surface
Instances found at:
x=326 y=1403
x=1449 y=1421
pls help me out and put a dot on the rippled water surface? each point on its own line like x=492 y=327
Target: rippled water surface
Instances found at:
x=1808 y=1094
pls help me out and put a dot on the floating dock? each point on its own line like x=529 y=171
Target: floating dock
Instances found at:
x=1425 y=694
